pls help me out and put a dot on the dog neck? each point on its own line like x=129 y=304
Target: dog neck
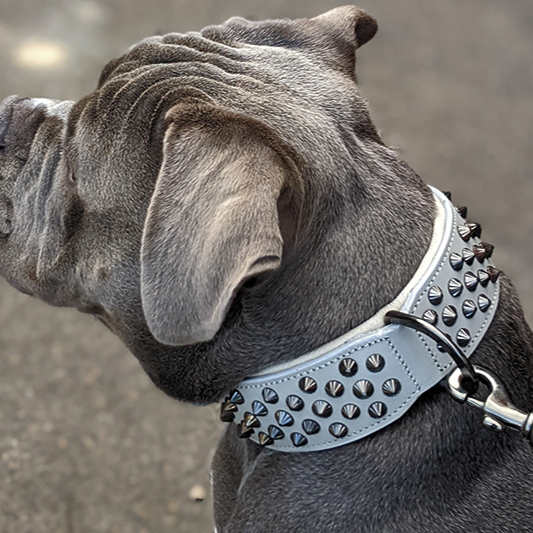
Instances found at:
x=369 y=377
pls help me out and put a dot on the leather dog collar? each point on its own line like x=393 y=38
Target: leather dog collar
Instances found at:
x=369 y=377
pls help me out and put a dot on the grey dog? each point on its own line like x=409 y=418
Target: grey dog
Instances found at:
x=222 y=202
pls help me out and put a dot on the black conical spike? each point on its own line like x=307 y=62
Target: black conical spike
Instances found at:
x=275 y=432
x=463 y=337
x=449 y=315
x=338 y=430
x=322 y=408
x=284 y=418
x=448 y=195
x=270 y=395
x=463 y=211
x=431 y=316
x=493 y=273
x=334 y=388
x=456 y=261
x=391 y=387
x=475 y=228
x=483 y=302
x=226 y=417
x=264 y=439
x=294 y=403
x=469 y=308
x=468 y=256
x=258 y=409
x=489 y=248
x=250 y=420
x=350 y=411
x=375 y=362
x=435 y=295
x=471 y=281
x=480 y=253
x=455 y=287
x=243 y=431
x=464 y=232
x=348 y=367
x=363 y=389
x=236 y=397
x=307 y=385
x=227 y=411
x=377 y=410
x=483 y=277
x=298 y=439
x=311 y=427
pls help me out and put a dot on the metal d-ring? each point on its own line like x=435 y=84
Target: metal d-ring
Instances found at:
x=469 y=379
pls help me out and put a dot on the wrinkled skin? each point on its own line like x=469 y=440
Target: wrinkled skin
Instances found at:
x=222 y=202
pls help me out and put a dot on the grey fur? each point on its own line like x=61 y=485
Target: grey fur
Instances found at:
x=265 y=115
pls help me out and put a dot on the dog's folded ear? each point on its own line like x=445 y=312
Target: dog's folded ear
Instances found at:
x=212 y=221
x=353 y=25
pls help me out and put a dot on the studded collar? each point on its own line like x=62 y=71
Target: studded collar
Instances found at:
x=369 y=377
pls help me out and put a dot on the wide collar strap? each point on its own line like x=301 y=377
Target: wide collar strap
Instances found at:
x=369 y=377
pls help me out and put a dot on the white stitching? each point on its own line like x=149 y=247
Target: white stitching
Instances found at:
x=314 y=369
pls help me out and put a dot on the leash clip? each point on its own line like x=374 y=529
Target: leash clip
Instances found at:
x=498 y=410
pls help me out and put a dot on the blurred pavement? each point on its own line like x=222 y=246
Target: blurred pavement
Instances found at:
x=87 y=444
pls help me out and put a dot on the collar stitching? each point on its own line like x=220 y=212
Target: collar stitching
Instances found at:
x=430 y=351
x=441 y=266
x=315 y=368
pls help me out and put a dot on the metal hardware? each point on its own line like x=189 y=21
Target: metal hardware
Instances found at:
x=469 y=379
x=498 y=410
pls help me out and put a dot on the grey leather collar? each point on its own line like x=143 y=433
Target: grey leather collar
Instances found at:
x=369 y=377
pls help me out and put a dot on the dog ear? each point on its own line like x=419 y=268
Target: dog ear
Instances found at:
x=352 y=24
x=212 y=222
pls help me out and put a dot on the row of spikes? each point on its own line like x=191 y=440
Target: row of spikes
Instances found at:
x=480 y=251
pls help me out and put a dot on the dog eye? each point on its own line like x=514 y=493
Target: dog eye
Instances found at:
x=2 y=149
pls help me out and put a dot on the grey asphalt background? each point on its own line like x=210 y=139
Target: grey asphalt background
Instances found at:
x=87 y=444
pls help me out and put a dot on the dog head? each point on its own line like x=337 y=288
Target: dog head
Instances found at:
x=197 y=166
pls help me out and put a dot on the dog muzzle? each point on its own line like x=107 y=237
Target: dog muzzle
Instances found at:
x=368 y=378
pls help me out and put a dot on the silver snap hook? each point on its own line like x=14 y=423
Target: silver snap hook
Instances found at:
x=499 y=412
